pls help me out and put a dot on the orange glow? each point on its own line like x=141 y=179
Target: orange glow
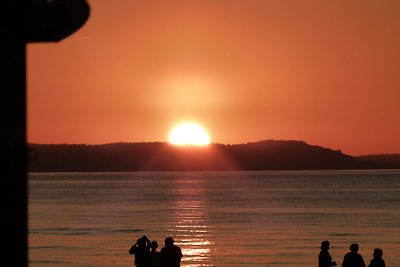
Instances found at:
x=325 y=72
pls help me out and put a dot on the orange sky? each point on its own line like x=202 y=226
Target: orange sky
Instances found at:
x=326 y=72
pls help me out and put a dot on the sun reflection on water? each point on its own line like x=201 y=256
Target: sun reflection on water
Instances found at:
x=190 y=228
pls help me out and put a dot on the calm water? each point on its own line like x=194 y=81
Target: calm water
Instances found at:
x=219 y=219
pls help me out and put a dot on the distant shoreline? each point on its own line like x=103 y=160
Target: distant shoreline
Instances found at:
x=268 y=155
x=276 y=171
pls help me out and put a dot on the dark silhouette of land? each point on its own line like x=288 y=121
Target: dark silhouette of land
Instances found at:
x=388 y=161
x=158 y=156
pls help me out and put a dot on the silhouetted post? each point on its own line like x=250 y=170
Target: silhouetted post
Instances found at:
x=13 y=132
x=23 y=21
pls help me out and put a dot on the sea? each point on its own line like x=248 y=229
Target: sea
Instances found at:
x=220 y=219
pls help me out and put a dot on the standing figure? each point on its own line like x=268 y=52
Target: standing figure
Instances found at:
x=170 y=254
x=353 y=258
x=377 y=261
x=324 y=258
x=140 y=249
x=153 y=258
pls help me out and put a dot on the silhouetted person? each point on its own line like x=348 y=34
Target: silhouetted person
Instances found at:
x=377 y=261
x=140 y=249
x=353 y=258
x=170 y=254
x=153 y=258
x=324 y=258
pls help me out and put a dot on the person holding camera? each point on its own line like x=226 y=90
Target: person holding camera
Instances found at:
x=141 y=249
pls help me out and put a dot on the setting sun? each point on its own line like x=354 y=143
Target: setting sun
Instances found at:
x=189 y=134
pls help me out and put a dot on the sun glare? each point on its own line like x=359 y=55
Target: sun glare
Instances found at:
x=189 y=134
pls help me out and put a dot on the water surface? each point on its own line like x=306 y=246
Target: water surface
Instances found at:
x=219 y=219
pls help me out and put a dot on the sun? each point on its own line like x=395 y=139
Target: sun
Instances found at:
x=189 y=133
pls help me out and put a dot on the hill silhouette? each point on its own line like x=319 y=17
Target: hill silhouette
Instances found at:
x=387 y=161
x=159 y=156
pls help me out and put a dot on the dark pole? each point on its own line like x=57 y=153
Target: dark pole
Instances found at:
x=13 y=133
x=23 y=21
